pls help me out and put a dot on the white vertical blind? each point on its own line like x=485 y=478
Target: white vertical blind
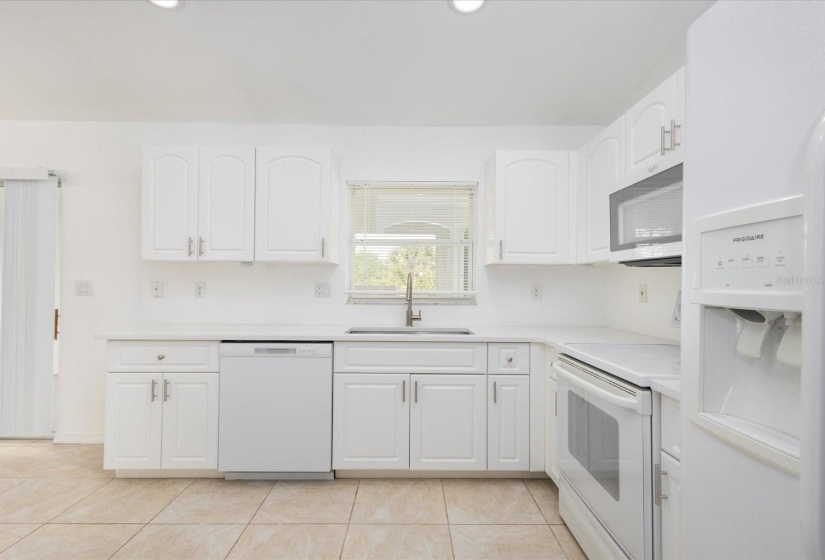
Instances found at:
x=428 y=229
x=27 y=311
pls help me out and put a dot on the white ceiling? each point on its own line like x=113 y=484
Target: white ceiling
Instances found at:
x=391 y=62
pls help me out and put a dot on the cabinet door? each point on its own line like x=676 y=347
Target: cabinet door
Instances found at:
x=672 y=488
x=604 y=165
x=226 y=199
x=170 y=203
x=679 y=108
x=551 y=414
x=448 y=422
x=294 y=205
x=190 y=421
x=508 y=423
x=644 y=122
x=532 y=207
x=371 y=421
x=133 y=421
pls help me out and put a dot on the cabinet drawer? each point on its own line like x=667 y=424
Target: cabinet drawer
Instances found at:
x=671 y=427
x=174 y=356
x=410 y=357
x=509 y=358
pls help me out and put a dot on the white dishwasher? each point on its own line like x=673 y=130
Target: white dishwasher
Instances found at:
x=275 y=410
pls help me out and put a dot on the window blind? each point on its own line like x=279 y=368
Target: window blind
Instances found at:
x=428 y=229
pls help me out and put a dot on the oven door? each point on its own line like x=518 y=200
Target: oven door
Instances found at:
x=604 y=446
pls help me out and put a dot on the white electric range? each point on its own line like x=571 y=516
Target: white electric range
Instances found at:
x=606 y=415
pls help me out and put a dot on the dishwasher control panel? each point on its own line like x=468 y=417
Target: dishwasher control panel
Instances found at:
x=276 y=349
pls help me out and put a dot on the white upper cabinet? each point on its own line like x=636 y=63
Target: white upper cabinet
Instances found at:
x=528 y=216
x=602 y=164
x=297 y=205
x=226 y=204
x=170 y=203
x=649 y=122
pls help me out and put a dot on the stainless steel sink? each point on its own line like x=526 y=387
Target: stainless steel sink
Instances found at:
x=445 y=331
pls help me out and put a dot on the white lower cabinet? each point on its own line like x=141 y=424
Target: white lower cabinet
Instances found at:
x=371 y=421
x=508 y=423
x=448 y=422
x=156 y=421
x=671 y=504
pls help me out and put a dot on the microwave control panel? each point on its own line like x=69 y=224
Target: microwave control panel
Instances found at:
x=763 y=256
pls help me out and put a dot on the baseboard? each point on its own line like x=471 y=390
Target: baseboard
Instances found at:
x=366 y=473
x=167 y=473
x=79 y=437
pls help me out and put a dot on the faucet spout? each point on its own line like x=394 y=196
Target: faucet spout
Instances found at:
x=410 y=315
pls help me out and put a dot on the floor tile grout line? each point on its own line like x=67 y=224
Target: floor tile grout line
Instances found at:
x=559 y=541
x=249 y=522
x=127 y=541
x=349 y=520
x=39 y=525
x=447 y=513
x=535 y=501
x=185 y=488
x=67 y=508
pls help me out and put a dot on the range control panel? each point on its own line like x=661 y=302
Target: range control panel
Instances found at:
x=764 y=256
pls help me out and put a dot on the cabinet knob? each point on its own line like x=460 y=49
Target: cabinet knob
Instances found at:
x=509 y=359
x=161 y=356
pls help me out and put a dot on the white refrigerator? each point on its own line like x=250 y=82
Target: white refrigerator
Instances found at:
x=754 y=207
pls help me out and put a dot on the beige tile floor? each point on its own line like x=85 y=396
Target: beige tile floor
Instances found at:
x=56 y=501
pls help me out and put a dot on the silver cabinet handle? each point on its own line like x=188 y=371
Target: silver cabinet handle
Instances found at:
x=501 y=250
x=509 y=359
x=323 y=247
x=673 y=143
x=657 y=484
x=165 y=390
x=494 y=392
x=403 y=390
x=415 y=391
x=190 y=246
x=665 y=131
x=161 y=356
x=200 y=246
x=154 y=394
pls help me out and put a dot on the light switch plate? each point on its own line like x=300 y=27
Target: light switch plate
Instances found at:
x=200 y=289
x=642 y=293
x=157 y=289
x=84 y=288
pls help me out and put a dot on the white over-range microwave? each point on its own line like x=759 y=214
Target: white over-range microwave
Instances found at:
x=646 y=215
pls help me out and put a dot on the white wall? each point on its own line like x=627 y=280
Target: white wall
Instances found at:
x=99 y=164
x=625 y=311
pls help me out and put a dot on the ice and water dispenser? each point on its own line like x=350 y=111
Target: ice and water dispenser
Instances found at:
x=746 y=321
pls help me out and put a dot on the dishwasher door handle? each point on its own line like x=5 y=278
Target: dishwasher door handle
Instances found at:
x=277 y=351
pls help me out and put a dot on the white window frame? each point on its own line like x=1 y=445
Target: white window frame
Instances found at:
x=467 y=297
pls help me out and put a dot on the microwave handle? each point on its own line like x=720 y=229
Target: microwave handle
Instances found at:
x=624 y=402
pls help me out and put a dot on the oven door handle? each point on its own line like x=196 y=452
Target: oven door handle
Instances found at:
x=624 y=402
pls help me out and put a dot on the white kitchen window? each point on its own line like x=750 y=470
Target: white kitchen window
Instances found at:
x=428 y=229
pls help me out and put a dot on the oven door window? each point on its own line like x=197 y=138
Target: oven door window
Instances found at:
x=593 y=440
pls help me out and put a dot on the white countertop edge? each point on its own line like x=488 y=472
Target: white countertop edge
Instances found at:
x=668 y=387
x=552 y=336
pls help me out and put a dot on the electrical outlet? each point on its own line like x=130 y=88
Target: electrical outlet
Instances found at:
x=157 y=289
x=322 y=289
x=536 y=292
x=200 y=289
x=642 y=293
x=84 y=288
x=676 y=318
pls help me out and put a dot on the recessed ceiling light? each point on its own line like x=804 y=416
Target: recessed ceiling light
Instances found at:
x=466 y=7
x=167 y=4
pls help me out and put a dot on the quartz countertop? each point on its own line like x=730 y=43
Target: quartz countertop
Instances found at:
x=669 y=387
x=553 y=336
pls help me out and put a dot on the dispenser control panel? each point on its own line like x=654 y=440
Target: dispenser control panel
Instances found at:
x=763 y=256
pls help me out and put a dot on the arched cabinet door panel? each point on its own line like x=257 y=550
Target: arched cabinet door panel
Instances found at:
x=530 y=208
x=170 y=203
x=296 y=209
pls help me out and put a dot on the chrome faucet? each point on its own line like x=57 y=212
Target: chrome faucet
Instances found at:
x=410 y=315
